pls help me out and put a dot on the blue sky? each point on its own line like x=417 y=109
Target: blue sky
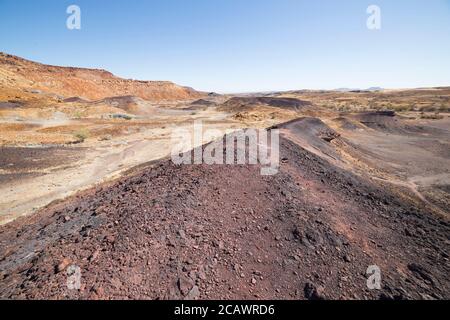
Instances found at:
x=240 y=45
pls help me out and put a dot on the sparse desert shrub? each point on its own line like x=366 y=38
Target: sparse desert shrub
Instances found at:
x=81 y=135
x=433 y=116
x=344 y=108
x=429 y=109
x=121 y=116
x=77 y=115
x=444 y=108
x=105 y=138
x=403 y=108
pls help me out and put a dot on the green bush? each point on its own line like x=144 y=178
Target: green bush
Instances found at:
x=81 y=135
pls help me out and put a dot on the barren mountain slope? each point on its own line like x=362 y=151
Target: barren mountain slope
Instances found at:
x=198 y=231
x=89 y=84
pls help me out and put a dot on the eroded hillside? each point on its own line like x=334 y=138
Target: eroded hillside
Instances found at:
x=92 y=84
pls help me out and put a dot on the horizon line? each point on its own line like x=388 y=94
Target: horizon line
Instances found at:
x=266 y=91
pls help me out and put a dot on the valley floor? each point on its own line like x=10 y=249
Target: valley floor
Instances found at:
x=354 y=190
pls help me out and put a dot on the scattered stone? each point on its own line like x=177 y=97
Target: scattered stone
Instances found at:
x=193 y=294
x=185 y=285
x=313 y=293
x=99 y=291
x=225 y=249
x=62 y=265
x=182 y=234
x=110 y=239
x=189 y=261
x=100 y=210
x=420 y=272
x=94 y=256
x=202 y=275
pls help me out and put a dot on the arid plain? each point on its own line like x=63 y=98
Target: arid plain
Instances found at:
x=85 y=179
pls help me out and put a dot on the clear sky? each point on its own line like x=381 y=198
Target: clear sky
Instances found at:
x=240 y=45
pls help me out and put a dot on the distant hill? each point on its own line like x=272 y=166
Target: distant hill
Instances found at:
x=371 y=89
x=89 y=84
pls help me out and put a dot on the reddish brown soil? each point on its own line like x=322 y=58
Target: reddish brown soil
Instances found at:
x=226 y=232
